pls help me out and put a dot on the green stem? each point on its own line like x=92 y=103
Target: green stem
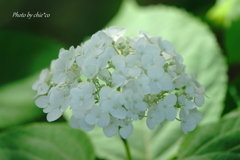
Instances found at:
x=126 y=146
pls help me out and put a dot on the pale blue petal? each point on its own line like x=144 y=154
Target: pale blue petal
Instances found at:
x=190 y=123
x=170 y=113
x=199 y=100
x=74 y=122
x=140 y=45
x=126 y=131
x=107 y=105
x=158 y=117
x=54 y=114
x=104 y=120
x=56 y=99
x=142 y=106
x=170 y=100
x=155 y=72
x=104 y=92
x=42 y=101
x=110 y=130
x=76 y=93
x=151 y=125
x=184 y=129
x=119 y=112
x=85 y=126
x=91 y=119
x=166 y=82
x=154 y=88
x=196 y=114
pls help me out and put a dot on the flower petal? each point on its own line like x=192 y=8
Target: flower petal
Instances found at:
x=104 y=120
x=54 y=114
x=125 y=132
x=170 y=113
x=119 y=112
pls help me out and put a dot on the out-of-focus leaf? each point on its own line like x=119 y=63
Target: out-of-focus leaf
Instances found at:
x=219 y=141
x=17 y=104
x=42 y=141
x=201 y=54
x=224 y=12
x=234 y=89
x=196 y=7
x=230 y=102
x=234 y=12
x=218 y=13
x=23 y=53
x=232 y=41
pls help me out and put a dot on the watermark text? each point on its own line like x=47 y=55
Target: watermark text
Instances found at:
x=30 y=15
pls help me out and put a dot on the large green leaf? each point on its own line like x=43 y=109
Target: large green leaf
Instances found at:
x=218 y=141
x=45 y=141
x=17 y=103
x=202 y=55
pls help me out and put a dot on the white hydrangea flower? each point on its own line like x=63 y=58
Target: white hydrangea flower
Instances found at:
x=189 y=122
x=68 y=56
x=97 y=117
x=114 y=32
x=42 y=102
x=81 y=97
x=126 y=128
x=109 y=102
x=41 y=85
x=126 y=99
x=154 y=117
x=59 y=104
x=167 y=107
x=111 y=81
x=112 y=128
x=187 y=104
x=142 y=84
x=159 y=81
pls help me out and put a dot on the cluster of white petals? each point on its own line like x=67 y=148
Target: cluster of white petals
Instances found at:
x=111 y=81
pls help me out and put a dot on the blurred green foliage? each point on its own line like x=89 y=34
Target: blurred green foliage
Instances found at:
x=24 y=54
x=218 y=141
x=205 y=33
x=45 y=141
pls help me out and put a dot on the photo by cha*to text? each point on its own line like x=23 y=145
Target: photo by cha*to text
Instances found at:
x=30 y=15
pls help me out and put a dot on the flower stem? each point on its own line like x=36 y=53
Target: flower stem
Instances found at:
x=127 y=149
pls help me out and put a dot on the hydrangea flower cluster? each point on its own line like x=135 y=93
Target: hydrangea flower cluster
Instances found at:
x=111 y=81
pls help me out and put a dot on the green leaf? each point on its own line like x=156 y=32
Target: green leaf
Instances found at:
x=232 y=100
x=17 y=103
x=24 y=53
x=232 y=39
x=202 y=56
x=229 y=103
x=42 y=141
x=234 y=12
x=219 y=140
x=219 y=12
x=224 y=12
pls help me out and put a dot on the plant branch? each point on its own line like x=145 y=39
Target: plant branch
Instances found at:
x=127 y=149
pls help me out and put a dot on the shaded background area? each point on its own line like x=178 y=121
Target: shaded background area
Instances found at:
x=68 y=24
x=29 y=45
